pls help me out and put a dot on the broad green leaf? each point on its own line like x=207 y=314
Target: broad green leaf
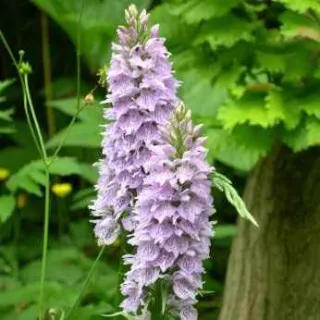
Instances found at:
x=27 y=178
x=6 y=114
x=99 y=19
x=23 y=137
x=223 y=147
x=90 y=113
x=32 y=176
x=7 y=130
x=229 y=76
x=302 y=6
x=87 y=312
x=273 y=62
x=5 y=84
x=282 y=106
x=59 y=270
x=26 y=294
x=311 y=104
x=89 y=172
x=307 y=134
x=83 y=203
x=216 y=34
x=194 y=11
x=254 y=139
x=82 y=134
x=175 y=31
x=298 y=25
x=251 y=108
x=199 y=94
x=14 y=158
x=7 y=204
x=65 y=166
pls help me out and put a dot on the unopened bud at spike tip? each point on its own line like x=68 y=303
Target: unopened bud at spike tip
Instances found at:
x=133 y=10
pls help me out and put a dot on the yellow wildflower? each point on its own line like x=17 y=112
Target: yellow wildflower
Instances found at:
x=61 y=190
x=4 y=174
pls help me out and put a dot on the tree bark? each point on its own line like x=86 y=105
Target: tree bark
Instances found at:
x=274 y=270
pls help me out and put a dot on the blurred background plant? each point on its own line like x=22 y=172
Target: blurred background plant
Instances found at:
x=250 y=73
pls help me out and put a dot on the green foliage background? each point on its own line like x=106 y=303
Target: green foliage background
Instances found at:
x=250 y=72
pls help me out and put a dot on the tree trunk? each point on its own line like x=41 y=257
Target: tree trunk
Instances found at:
x=274 y=270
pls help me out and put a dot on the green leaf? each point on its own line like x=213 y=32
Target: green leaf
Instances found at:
x=307 y=134
x=91 y=113
x=224 y=147
x=89 y=172
x=82 y=134
x=254 y=139
x=216 y=34
x=6 y=115
x=225 y=185
x=283 y=107
x=60 y=270
x=7 y=205
x=297 y=25
x=32 y=176
x=251 y=108
x=26 y=294
x=273 y=62
x=195 y=11
x=14 y=158
x=302 y=6
x=7 y=130
x=27 y=178
x=310 y=104
x=88 y=311
x=5 y=84
x=98 y=22
x=199 y=94
x=174 y=30
x=229 y=76
x=65 y=166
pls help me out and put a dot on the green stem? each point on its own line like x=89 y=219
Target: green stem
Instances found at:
x=16 y=237
x=38 y=138
x=79 y=108
x=25 y=105
x=35 y=120
x=84 y=286
x=45 y=243
x=15 y=63
x=65 y=136
x=120 y=269
x=157 y=309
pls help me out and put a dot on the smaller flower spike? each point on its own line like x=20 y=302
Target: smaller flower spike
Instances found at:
x=173 y=231
x=142 y=92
